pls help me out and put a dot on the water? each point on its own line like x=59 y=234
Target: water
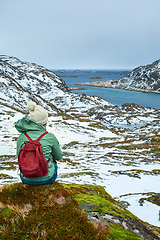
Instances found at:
x=114 y=96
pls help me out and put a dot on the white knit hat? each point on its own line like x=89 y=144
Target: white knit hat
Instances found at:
x=37 y=113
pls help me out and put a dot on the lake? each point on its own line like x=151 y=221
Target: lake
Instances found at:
x=114 y=96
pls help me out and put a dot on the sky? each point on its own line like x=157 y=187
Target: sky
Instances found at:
x=81 y=34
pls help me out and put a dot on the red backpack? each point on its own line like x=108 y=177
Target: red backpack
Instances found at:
x=31 y=160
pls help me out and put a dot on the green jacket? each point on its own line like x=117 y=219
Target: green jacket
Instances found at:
x=49 y=143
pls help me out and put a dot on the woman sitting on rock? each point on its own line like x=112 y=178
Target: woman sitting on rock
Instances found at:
x=31 y=129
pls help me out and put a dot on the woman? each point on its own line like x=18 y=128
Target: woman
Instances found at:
x=35 y=126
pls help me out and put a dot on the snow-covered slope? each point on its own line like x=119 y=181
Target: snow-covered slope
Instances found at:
x=22 y=81
x=145 y=78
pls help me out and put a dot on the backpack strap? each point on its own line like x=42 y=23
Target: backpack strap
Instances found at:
x=28 y=136
x=42 y=135
x=37 y=138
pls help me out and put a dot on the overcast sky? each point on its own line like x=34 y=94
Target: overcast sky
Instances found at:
x=81 y=34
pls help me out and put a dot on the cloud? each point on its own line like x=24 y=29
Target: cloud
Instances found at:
x=81 y=34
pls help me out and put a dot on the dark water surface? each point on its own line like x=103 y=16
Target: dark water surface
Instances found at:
x=114 y=96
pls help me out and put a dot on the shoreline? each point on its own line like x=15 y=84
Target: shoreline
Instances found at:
x=113 y=84
x=76 y=88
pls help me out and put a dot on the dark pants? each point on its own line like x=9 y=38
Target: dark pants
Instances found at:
x=49 y=181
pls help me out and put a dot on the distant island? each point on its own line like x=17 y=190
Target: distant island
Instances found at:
x=96 y=78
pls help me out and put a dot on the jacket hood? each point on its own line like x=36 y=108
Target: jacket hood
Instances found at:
x=26 y=124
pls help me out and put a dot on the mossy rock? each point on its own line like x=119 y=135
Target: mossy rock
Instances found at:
x=153 y=198
x=56 y=211
x=43 y=212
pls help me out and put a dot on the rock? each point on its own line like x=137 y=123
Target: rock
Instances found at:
x=96 y=78
x=66 y=211
x=124 y=204
x=158 y=199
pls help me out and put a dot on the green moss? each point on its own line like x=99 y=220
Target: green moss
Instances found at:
x=127 y=213
x=75 y=189
x=96 y=200
x=6 y=213
x=119 y=233
x=43 y=212
x=114 y=213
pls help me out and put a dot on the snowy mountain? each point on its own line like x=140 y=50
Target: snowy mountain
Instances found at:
x=144 y=78
x=22 y=81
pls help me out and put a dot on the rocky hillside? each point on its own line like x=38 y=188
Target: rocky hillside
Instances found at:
x=144 y=78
